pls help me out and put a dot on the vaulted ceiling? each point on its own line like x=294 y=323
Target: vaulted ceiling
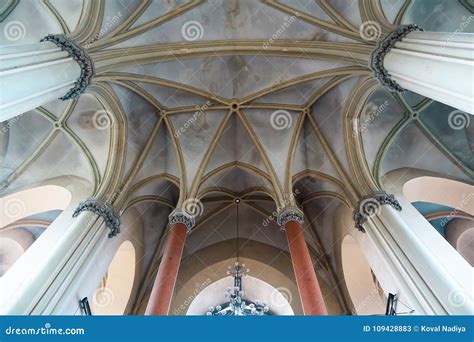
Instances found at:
x=215 y=100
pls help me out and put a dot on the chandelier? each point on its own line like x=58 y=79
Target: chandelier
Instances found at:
x=236 y=305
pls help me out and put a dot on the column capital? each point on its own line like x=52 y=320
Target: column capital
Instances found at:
x=370 y=206
x=80 y=55
x=289 y=214
x=102 y=209
x=383 y=48
x=181 y=216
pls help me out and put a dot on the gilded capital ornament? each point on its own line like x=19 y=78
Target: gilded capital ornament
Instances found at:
x=104 y=210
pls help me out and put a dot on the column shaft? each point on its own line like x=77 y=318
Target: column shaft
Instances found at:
x=34 y=77
x=308 y=286
x=437 y=65
x=162 y=292
x=430 y=276
x=448 y=287
x=35 y=74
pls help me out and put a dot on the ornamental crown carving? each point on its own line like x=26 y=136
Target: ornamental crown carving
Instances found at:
x=104 y=210
x=82 y=58
x=181 y=216
x=383 y=48
x=370 y=206
x=290 y=214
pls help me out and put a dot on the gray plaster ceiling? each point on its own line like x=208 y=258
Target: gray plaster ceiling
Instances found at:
x=249 y=157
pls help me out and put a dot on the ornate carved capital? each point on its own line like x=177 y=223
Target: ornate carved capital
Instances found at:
x=370 y=206
x=80 y=55
x=289 y=214
x=383 y=48
x=104 y=210
x=181 y=216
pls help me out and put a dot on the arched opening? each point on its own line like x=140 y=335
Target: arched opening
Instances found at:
x=465 y=245
x=447 y=205
x=441 y=191
x=24 y=218
x=254 y=289
x=113 y=294
x=365 y=293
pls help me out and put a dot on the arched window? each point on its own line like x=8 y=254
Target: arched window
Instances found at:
x=254 y=289
x=113 y=294
x=363 y=288
x=449 y=206
x=25 y=215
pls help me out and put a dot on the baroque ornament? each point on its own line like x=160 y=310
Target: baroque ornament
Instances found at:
x=181 y=216
x=80 y=55
x=383 y=48
x=104 y=210
x=370 y=206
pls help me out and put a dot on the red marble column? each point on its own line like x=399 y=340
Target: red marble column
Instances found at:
x=163 y=288
x=308 y=286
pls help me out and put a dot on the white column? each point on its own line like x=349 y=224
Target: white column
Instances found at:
x=34 y=74
x=61 y=263
x=433 y=276
x=438 y=65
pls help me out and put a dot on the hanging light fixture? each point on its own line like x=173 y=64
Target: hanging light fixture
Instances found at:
x=236 y=305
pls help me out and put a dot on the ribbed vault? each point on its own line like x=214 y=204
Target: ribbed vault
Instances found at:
x=272 y=103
